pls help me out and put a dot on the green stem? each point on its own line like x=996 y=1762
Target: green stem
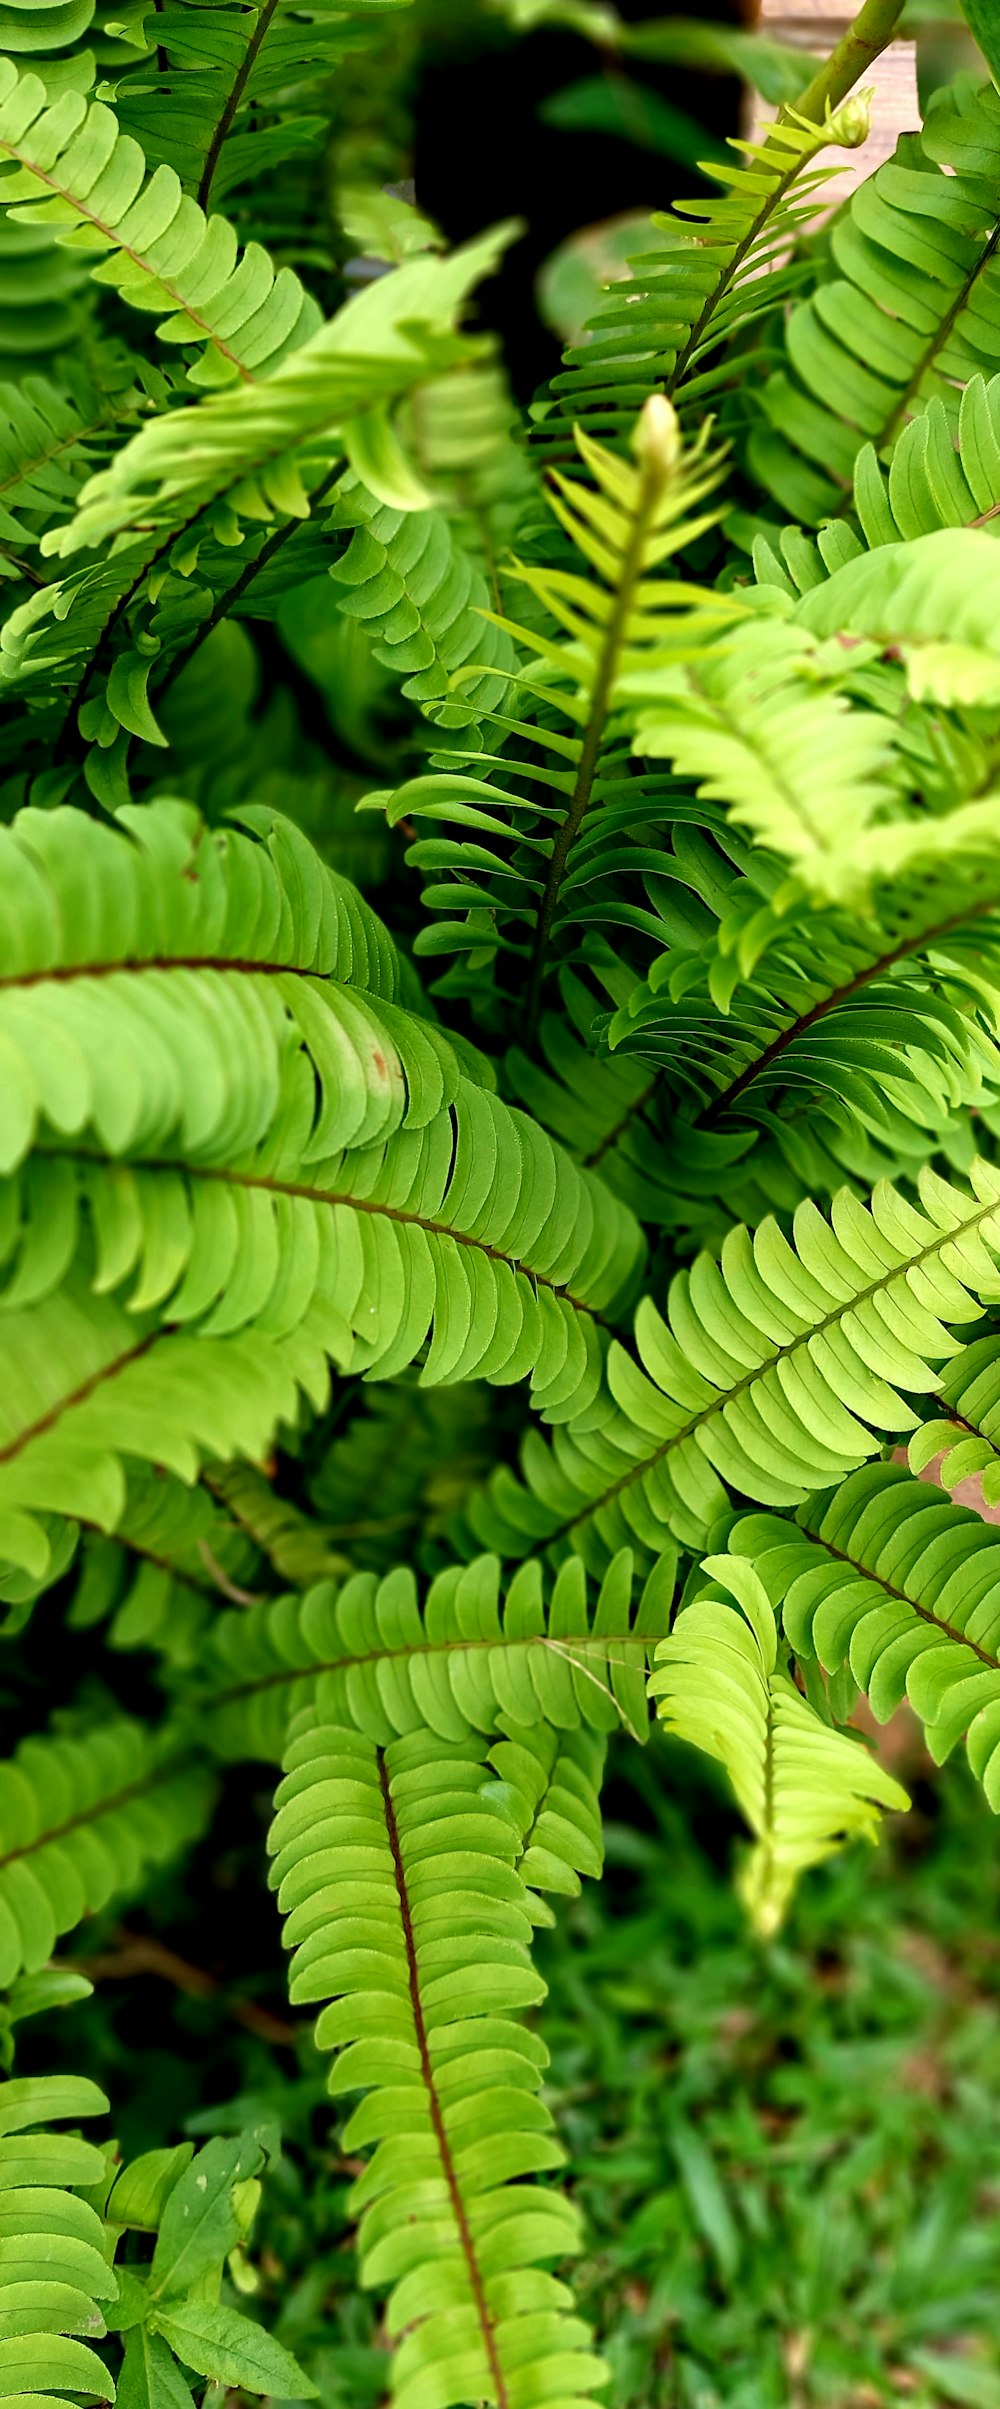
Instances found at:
x=856 y=51
x=239 y=85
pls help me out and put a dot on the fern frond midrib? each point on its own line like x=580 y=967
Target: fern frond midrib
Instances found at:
x=66 y=443
x=61 y=192
x=933 y=348
x=210 y=1589
x=468 y=2247
x=922 y=942
x=22 y=568
x=102 y=1806
x=590 y=751
x=355 y=1204
x=78 y=1396
x=570 y=1648
x=936 y=1621
x=233 y=99
x=707 y=1413
x=632 y=1112
x=719 y=292
x=244 y=966
x=950 y=1413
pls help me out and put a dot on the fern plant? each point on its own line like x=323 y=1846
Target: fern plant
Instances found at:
x=440 y=1323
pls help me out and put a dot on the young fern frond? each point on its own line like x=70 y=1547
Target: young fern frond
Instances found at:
x=805 y=1790
x=370 y=1655
x=637 y=519
x=840 y=800
x=397 y=1872
x=721 y=267
x=761 y=721
x=892 y=1581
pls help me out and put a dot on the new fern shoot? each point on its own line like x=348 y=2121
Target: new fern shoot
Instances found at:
x=499 y=1114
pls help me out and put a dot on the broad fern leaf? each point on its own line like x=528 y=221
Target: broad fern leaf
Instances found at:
x=424 y=1985
x=805 y=1789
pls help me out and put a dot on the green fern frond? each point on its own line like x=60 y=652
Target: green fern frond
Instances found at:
x=912 y=313
x=939 y=475
x=844 y=796
x=49 y=436
x=263 y=443
x=293 y=1547
x=174 y=1558
x=370 y=1655
x=882 y=1029
x=761 y=721
x=274 y=1162
x=165 y=891
x=397 y=1873
x=805 y=1790
x=45 y=300
x=893 y=1581
x=706 y=285
x=781 y=1368
x=523 y=895
x=56 y=2282
x=463 y=434
x=81 y=1820
x=225 y=94
x=66 y=165
x=410 y=583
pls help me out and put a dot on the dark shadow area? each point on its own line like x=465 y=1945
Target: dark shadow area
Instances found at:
x=484 y=153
